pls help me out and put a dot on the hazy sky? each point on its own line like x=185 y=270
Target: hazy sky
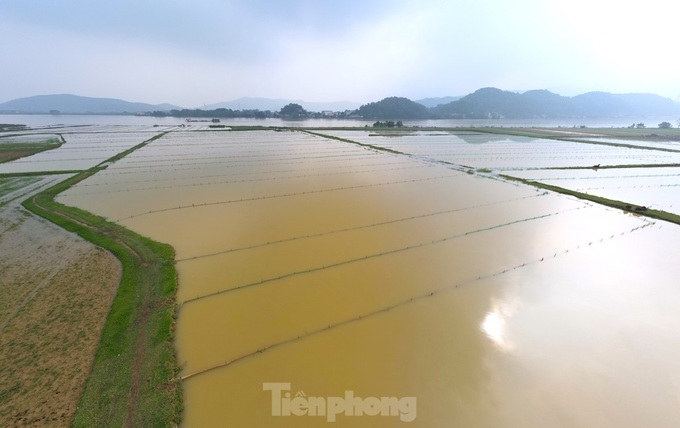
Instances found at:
x=207 y=51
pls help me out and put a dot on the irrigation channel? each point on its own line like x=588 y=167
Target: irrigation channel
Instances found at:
x=404 y=266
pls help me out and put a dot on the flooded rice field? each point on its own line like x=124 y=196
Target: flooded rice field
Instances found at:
x=84 y=148
x=321 y=280
x=657 y=188
x=505 y=152
x=668 y=145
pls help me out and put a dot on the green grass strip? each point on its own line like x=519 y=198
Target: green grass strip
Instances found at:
x=39 y=173
x=625 y=206
x=134 y=380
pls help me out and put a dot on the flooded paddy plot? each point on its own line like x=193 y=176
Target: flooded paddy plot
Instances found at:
x=657 y=188
x=502 y=152
x=669 y=145
x=223 y=168
x=340 y=268
x=19 y=146
x=81 y=151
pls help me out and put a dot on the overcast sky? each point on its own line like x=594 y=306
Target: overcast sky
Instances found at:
x=208 y=51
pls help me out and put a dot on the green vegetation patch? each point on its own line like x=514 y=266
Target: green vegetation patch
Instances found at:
x=10 y=184
x=134 y=377
x=11 y=150
x=4 y=127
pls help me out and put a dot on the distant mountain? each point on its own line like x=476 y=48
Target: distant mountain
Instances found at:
x=393 y=108
x=604 y=104
x=487 y=103
x=481 y=104
x=547 y=104
x=270 y=104
x=435 y=101
x=73 y=104
x=495 y=103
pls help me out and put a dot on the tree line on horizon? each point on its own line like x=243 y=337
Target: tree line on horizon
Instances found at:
x=485 y=103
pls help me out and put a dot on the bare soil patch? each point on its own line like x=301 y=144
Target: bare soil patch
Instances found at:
x=55 y=292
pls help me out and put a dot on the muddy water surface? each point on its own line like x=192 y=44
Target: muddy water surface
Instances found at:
x=335 y=268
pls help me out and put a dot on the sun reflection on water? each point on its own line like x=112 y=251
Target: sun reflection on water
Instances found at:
x=494 y=324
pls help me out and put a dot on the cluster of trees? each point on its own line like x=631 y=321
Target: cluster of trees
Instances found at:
x=394 y=108
x=290 y=111
x=662 y=125
x=219 y=113
x=293 y=111
x=12 y=127
x=389 y=124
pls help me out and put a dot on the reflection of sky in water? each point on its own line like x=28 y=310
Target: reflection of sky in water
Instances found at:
x=657 y=188
x=503 y=152
x=81 y=151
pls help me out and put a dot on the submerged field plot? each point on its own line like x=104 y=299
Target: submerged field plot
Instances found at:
x=83 y=147
x=656 y=188
x=512 y=152
x=337 y=267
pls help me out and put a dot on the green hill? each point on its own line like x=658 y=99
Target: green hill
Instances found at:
x=394 y=108
x=492 y=103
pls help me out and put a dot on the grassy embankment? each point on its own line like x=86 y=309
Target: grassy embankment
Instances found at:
x=133 y=380
x=10 y=151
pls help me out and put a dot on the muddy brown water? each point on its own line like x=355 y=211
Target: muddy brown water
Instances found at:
x=492 y=304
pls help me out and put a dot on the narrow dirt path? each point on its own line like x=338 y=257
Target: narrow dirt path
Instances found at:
x=135 y=365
